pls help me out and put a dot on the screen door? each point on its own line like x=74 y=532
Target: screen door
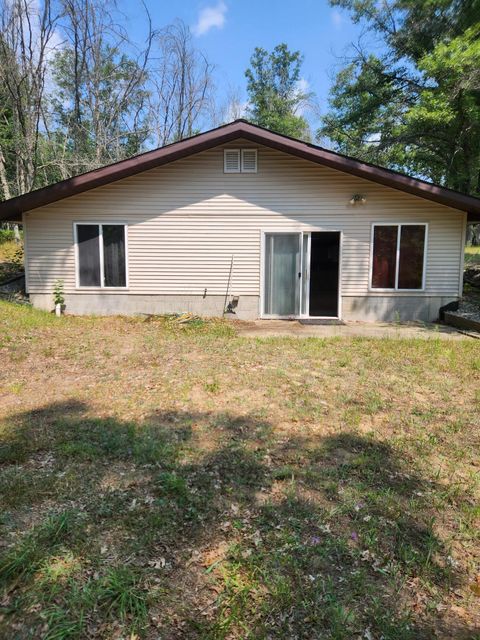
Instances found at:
x=282 y=274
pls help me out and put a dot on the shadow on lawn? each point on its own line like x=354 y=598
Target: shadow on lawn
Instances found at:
x=240 y=536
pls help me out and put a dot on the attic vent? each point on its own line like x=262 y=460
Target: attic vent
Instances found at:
x=240 y=160
x=231 y=161
x=249 y=160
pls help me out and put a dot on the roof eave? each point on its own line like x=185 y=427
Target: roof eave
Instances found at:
x=13 y=209
x=373 y=173
x=473 y=217
x=114 y=172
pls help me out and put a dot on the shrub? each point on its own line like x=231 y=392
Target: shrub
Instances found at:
x=6 y=235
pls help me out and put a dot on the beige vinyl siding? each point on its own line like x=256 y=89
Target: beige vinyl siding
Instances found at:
x=186 y=220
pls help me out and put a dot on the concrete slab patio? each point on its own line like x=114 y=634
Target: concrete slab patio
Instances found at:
x=295 y=329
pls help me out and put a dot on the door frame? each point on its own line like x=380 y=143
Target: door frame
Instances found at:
x=301 y=233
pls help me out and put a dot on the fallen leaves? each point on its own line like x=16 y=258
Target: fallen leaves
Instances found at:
x=475 y=587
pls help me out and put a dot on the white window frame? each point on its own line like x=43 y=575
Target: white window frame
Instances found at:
x=102 y=271
x=256 y=161
x=399 y=226
x=237 y=151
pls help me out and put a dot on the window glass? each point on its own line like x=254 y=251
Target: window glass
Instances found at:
x=114 y=255
x=412 y=244
x=88 y=255
x=384 y=257
x=95 y=242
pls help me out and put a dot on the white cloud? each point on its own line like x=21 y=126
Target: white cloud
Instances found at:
x=337 y=18
x=302 y=88
x=210 y=18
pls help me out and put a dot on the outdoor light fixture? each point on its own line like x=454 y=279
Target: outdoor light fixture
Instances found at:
x=358 y=198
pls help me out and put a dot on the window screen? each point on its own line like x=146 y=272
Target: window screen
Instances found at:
x=398 y=255
x=101 y=255
x=412 y=246
x=114 y=255
x=384 y=257
x=88 y=255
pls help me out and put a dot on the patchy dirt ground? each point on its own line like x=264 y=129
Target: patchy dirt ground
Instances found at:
x=160 y=481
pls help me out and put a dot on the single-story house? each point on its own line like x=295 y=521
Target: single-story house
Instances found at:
x=239 y=214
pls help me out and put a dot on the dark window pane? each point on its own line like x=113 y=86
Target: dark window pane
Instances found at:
x=384 y=257
x=114 y=255
x=412 y=244
x=88 y=255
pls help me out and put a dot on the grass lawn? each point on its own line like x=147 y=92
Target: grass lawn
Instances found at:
x=159 y=481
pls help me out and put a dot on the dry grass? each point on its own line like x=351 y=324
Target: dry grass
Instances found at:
x=11 y=259
x=8 y=250
x=186 y=483
x=472 y=256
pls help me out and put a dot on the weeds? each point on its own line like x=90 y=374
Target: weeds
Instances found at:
x=27 y=555
x=120 y=594
x=178 y=481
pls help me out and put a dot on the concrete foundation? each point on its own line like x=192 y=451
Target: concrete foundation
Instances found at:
x=362 y=308
x=393 y=308
x=108 y=304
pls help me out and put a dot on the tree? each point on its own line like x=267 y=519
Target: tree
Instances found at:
x=77 y=93
x=181 y=86
x=415 y=107
x=7 y=146
x=99 y=107
x=274 y=90
x=26 y=42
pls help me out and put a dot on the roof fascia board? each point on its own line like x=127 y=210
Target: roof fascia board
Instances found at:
x=12 y=210
x=111 y=173
x=369 y=172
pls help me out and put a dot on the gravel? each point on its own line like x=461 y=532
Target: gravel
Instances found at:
x=468 y=309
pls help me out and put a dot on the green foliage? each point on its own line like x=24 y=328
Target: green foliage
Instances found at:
x=472 y=256
x=121 y=595
x=273 y=90
x=6 y=235
x=29 y=553
x=94 y=111
x=7 y=139
x=415 y=107
x=58 y=293
x=62 y=625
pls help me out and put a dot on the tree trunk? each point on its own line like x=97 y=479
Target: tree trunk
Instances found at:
x=473 y=235
x=3 y=177
x=6 y=191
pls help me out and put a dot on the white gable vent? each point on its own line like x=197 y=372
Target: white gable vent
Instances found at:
x=249 y=161
x=231 y=160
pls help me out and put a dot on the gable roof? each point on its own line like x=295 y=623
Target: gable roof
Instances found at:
x=13 y=208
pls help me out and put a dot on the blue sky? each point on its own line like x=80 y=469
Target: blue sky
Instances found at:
x=228 y=31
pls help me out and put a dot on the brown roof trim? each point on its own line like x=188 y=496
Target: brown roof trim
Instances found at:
x=13 y=208
x=474 y=216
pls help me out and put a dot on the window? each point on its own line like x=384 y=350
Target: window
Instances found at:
x=398 y=256
x=240 y=160
x=101 y=255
